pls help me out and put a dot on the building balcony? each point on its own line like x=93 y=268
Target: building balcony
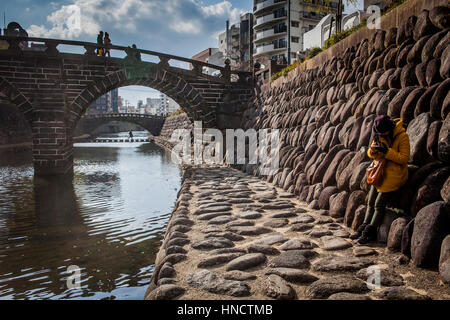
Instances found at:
x=269 y=48
x=260 y=7
x=333 y=4
x=312 y=16
x=269 y=19
x=266 y=34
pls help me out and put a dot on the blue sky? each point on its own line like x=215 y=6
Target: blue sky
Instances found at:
x=178 y=27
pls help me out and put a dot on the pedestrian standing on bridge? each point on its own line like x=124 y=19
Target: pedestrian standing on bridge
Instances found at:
x=130 y=134
x=107 y=42
x=100 y=50
x=137 y=54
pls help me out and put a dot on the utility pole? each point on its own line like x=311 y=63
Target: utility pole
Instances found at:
x=339 y=17
x=227 y=36
x=4 y=23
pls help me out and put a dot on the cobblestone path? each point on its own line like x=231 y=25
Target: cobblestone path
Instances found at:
x=235 y=236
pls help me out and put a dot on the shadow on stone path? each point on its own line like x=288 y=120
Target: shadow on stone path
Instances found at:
x=234 y=236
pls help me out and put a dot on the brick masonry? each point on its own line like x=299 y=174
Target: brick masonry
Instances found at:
x=87 y=125
x=54 y=91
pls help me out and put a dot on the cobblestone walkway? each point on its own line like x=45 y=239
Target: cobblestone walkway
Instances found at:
x=235 y=236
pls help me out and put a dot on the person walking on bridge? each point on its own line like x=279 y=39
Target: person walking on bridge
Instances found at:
x=130 y=134
x=390 y=150
x=107 y=43
x=100 y=50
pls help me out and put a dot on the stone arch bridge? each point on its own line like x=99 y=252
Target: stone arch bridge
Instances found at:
x=88 y=123
x=53 y=89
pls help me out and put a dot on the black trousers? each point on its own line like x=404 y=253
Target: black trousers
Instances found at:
x=376 y=205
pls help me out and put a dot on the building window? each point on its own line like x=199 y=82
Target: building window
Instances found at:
x=293 y=55
x=295 y=24
x=280 y=28
x=295 y=39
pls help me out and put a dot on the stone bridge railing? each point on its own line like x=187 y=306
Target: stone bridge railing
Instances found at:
x=121 y=115
x=88 y=123
x=16 y=47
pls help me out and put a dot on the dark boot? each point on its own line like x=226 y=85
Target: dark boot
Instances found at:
x=369 y=234
x=358 y=232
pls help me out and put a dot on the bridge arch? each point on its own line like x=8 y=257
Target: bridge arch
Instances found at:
x=53 y=89
x=162 y=80
x=152 y=124
x=16 y=97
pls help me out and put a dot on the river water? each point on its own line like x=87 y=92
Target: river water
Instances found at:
x=108 y=223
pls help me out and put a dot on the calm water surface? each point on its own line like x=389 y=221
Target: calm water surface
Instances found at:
x=108 y=221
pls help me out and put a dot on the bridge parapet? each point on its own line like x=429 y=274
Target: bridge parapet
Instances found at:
x=51 y=49
x=122 y=115
x=53 y=89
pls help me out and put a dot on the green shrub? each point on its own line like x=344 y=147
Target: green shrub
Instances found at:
x=314 y=52
x=179 y=111
x=284 y=72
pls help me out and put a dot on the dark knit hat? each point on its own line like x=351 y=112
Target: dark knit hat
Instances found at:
x=383 y=124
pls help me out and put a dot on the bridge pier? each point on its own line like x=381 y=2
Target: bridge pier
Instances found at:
x=53 y=90
x=52 y=144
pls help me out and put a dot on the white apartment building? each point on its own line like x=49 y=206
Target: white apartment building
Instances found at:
x=279 y=26
x=317 y=36
x=162 y=105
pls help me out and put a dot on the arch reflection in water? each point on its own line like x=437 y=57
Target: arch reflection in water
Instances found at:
x=109 y=221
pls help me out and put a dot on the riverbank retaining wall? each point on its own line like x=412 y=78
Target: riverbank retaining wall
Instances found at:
x=325 y=116
x=180 y=121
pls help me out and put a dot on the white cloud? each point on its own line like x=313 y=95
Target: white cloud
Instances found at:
x=181 y=16
x=223 y=9
x=186 y=27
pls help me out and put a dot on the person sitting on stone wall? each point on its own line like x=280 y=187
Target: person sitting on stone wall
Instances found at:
x=391 y=142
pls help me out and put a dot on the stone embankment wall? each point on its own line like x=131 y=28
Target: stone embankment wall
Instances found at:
x=325 y=117
x=172 y=123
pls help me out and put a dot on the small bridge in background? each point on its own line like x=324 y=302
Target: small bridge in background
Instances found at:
x=88 y=123
x=53 y=89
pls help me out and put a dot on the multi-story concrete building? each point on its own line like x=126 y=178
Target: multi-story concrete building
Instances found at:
x=101 y=105
x=279 y=26
x=119 y=102
x=236 y=42
x=114 y=100
x=162 y=105
x=106 y=103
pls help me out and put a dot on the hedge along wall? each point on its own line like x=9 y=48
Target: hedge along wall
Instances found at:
x=325 y=117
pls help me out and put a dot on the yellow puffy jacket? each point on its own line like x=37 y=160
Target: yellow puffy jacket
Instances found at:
x=396 y=169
